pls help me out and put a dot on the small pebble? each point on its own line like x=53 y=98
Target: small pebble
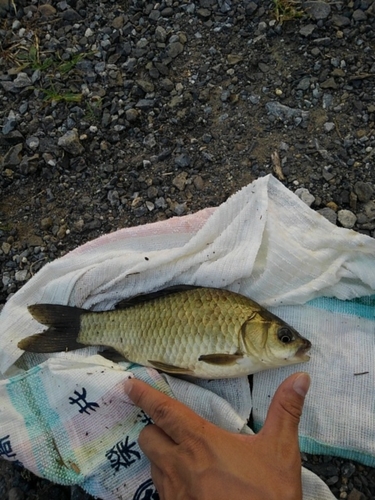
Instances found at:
x=16 y=494
x=347 y=219
x=329 y=126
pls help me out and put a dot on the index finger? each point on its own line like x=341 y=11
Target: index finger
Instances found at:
x=173 y=417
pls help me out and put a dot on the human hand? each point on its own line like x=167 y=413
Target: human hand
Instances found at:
x=192 y=459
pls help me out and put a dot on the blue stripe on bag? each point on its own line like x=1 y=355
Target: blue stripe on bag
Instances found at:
x=43 y=425
x=313 y=447
x=362 y=306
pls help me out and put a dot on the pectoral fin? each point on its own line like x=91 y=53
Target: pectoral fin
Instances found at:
x=164 y=367
x=113 y=355
x=220 y=359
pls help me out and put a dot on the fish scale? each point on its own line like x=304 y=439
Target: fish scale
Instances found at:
x=149 y=330
x=203 y=332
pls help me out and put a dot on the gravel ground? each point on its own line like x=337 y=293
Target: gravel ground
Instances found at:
x=117 y=113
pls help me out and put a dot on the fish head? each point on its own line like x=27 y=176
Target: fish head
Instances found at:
x=273 y=342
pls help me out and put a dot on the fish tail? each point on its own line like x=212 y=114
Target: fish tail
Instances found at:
x=64 y=325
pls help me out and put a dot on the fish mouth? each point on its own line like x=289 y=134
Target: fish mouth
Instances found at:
x=303 y=350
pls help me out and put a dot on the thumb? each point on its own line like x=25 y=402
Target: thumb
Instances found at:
x=286 y=408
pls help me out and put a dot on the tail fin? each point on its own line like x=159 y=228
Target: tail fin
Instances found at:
x=64 y=325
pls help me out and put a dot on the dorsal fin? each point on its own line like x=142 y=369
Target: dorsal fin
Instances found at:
x=147 y=297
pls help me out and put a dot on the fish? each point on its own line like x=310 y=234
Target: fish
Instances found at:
x=203 y=332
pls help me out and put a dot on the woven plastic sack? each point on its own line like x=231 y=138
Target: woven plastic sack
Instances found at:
x=65 y=416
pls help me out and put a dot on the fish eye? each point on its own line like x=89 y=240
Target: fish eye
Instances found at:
x=285 y=335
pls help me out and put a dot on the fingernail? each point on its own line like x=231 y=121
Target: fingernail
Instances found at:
x=128 y=385
x=301 y=384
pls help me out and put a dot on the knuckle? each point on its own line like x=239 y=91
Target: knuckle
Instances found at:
x=160 y=411
x=197 y=445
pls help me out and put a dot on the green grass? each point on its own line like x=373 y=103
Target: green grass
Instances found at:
x=287 y=10
x=53 y=95
x=93 y=111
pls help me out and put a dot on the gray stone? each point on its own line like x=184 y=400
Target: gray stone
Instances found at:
x=5 y=5
x=20 y=276
x=225 y=5
x=149 y=141
x=161 y=203
x=70 y=143
x=348 y=469
x=113 y=197
x=364 y=191
x=152 y=192
x=32 y=142
x=154 y=15
x=118 y=22
x=174 y=49
x=13 y=157
x=330 y=215
x=16 y=493
x=10 y=123
x=359 y=15
x=146 y=86
x=179 y=208
x=204 y=14
x=330 y=83
x=332 y=480
x=285 y=112
x=329 y=126
x=130 y=64
x=317 y=10
x=71 y=15
x=340 y=21
x=47 y=10
x=307 y=29
x=162 y=68
x=356 y=495
x=22 y=81
x=167 y=84
x=183 y=160
x=160 y=34
x=370 y=210
x=305 y=196
x=99 y=67
x=145 y=104
x=324 y=41
x=131 y=114
x=346 y=218
x=234 y=59
x=167 y=12
x=250 y=7
x=180 y=181
x=6 y=280
x=5 y=247
x=150 y=206
x=9 y=86
x=304 y=83
x=328 y=173
x=46 y=223
x=35 y=77
x=327 y=101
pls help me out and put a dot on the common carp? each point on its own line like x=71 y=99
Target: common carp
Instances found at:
x=202 y=332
